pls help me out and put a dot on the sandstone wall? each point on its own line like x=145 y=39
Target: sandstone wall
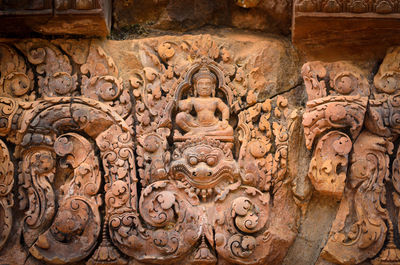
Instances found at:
x=200 y=132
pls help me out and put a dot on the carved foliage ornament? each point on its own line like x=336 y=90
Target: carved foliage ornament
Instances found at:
x=189 y=184
x=355 y=158
x=203 y=176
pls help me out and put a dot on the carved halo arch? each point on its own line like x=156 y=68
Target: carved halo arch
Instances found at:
x=187 y=83
x=214 y=68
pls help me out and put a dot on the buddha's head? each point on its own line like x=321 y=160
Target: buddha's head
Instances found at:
x=204 y=82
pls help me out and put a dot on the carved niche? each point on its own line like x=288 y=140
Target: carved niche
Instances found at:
x=353 y=124
x=182 y=162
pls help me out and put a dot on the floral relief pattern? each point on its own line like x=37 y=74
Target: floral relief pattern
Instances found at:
x=185 y=160
x=353 y=124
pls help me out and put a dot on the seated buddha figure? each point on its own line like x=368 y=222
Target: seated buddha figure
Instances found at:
x=205 y=105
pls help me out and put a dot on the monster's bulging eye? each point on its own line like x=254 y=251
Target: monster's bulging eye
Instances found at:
x=211 y=161
x=193 y=160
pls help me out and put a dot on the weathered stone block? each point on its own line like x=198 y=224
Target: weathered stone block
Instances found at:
x=74 y=17
x=141 y=16
x=356 y=24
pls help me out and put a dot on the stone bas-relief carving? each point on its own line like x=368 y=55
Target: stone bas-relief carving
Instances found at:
x=180 y=159
x=354 y=126
x=207 y=189
x=205 y=105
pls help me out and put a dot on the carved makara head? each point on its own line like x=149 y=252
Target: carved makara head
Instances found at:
x=204 y=164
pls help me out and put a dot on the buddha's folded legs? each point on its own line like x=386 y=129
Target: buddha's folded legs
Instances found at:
x=186 y=122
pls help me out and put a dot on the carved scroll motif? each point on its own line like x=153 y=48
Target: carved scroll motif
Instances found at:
x=338 y=104
x=75 y=224
x=363 y=202
x=16 y=79
x=328 y=167
x=192 y=103
x=57 y=78
x=7 y=198
x=202 y=137
x=364 y=225
x=62 y=220
x=77 y=217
